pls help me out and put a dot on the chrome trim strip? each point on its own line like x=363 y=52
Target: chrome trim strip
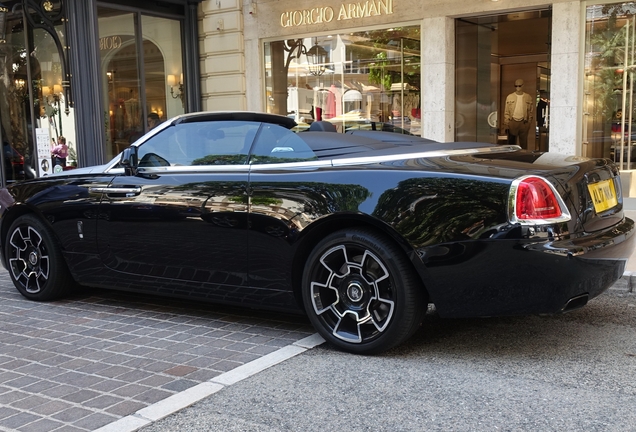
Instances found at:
x=193 y=169
x=426 y=154
x=280 y=166
x=512 y=202
x=107 y=190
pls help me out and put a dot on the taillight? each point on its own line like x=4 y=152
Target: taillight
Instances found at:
x=536 y=199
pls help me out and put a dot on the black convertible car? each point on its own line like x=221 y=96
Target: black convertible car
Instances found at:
x=360 y=231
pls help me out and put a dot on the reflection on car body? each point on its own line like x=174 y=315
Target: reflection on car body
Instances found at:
x=359 y=230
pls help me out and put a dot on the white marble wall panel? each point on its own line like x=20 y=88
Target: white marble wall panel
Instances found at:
x=438 y=78
x=566 y=78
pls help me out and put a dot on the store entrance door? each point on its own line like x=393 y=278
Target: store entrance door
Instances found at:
x=492 y=54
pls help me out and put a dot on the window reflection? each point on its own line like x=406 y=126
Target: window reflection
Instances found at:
x=368 y=79
x=609 y=129
x=138 y=84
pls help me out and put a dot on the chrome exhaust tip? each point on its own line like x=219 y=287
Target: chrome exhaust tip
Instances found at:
x=575 y=302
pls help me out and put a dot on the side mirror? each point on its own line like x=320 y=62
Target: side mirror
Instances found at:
x=129 y=160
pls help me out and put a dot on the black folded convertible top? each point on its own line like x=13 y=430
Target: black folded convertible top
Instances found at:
x=362 y=143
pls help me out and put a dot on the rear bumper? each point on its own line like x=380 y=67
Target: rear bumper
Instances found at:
x=516 y=277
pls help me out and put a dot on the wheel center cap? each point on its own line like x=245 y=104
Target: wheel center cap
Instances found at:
x=33 y=258
x=355 y=292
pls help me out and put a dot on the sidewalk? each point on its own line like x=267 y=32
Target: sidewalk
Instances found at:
x=630 y=212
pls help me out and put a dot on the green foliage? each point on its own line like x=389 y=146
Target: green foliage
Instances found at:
x=378 y=73
x=606 y=61
x=221 y=160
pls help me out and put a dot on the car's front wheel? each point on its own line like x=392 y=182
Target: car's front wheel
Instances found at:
x=35 y=261
x=361 y=293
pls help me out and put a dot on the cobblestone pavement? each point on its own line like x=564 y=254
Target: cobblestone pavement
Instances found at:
x=89 y=360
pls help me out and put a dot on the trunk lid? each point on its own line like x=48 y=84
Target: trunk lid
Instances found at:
x=591 y=188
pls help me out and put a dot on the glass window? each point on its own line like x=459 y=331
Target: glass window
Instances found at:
x=609 y=122
x=142 y=69
x=492 y=55
x=199 y=143
x=351 y=80
x=34 y=110
x=276 y=144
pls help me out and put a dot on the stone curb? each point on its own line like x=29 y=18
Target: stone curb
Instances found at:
x=627 y=283
x=188 y=397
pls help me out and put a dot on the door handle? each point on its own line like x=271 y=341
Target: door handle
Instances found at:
x=128 y=191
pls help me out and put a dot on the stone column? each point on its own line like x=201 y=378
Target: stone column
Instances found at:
x=566 y=78
x=438 y=78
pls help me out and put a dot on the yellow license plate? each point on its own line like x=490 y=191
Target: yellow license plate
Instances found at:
x=603 y=195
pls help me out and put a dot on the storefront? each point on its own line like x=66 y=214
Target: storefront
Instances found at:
x=443 y=70
x=92 y=72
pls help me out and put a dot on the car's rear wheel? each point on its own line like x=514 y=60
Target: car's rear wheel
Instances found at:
x=35 y=261
x=361 y=293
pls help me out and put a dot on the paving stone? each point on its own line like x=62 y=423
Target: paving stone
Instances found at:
x=95 y=421
x=125 y=408
x=180 y=370
x=83 y=362
x=114 y=371
x=153 y=395
x=108 y=385
x=40 y=386
x=244 y=357
x=69 y=428
x=179 y=385
x=6 y=412
x=130 y=390
x=225 y=365
x=60 y=391
x=41 y=425
x=10 y=397
x=103 y=401
x=71 y=414
x=81 y=396
x=18 y=420
x=29 y=402
x=203 y=375
x=51 y=407
x=262 y=350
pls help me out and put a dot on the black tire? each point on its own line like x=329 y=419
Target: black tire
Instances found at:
x=35 y=261
x=360 y=292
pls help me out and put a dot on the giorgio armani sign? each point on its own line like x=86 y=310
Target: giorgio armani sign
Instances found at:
x=326 y=14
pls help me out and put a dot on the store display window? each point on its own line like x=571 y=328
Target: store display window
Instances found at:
x=609 y=121
x=368 y=79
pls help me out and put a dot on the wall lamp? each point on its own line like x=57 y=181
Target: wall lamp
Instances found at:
x=172 y=82
x=52 y=95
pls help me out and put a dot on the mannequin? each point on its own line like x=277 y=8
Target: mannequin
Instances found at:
x=518 y=115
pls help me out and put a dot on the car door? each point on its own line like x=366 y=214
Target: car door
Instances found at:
x=285 y=190
x=183 y=219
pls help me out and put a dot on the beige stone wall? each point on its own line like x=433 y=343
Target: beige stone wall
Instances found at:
x=222 y=51
x=269 y=13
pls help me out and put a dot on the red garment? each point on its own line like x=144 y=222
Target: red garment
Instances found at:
x=330 y=110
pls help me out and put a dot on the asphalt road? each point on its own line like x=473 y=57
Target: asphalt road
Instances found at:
x=574 y=372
